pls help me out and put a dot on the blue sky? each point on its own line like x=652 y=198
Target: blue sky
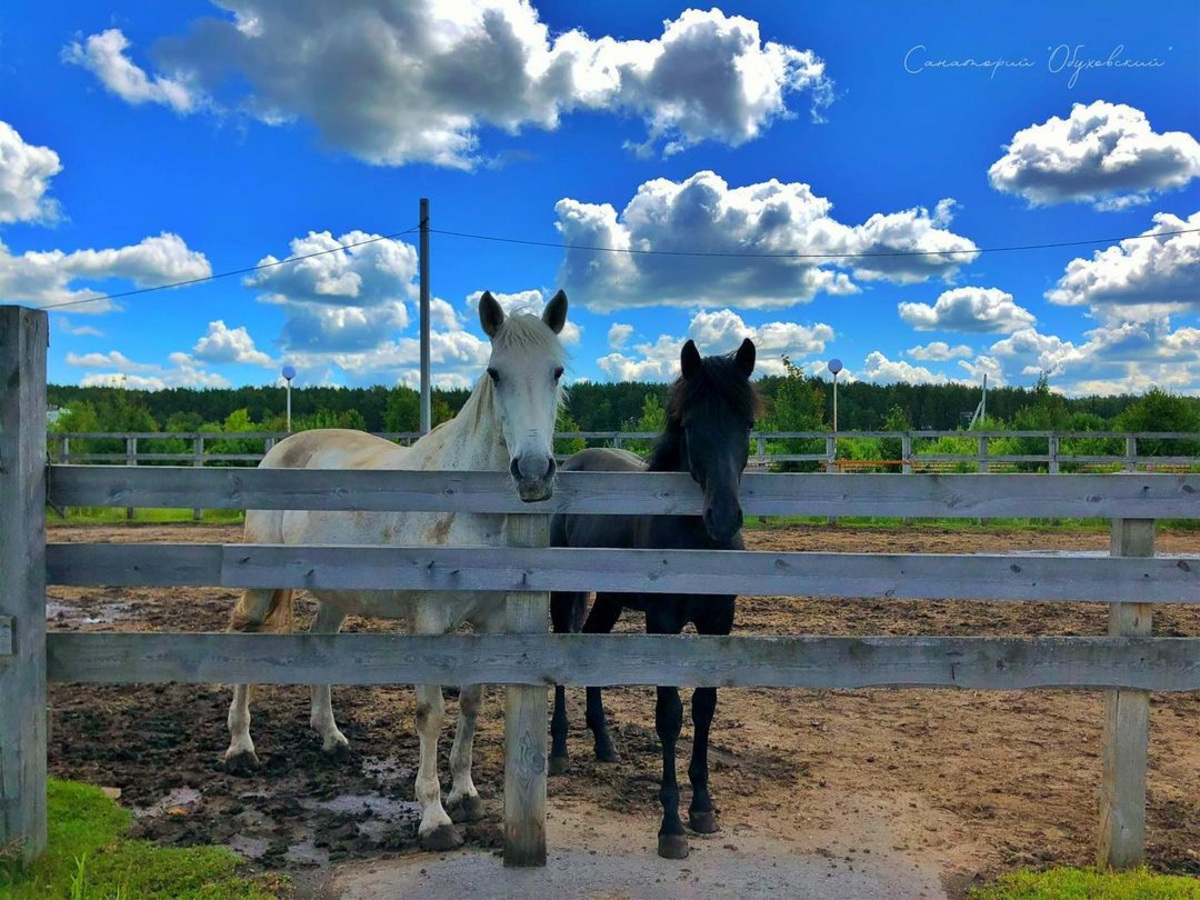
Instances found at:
x=145 y=143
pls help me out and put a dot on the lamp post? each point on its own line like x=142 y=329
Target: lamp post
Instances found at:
x=835 y=366
x=288 y=373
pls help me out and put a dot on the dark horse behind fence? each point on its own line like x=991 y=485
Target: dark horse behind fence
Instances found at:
x=710 y=412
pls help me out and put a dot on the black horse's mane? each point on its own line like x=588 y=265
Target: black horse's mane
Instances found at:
x=720 y=385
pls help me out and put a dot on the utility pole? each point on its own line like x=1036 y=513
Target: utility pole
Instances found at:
x=426 y=397
x=983 y=402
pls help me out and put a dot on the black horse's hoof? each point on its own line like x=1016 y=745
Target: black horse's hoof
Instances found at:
x=244 y=762
x=444 y=837
x=673 y=846
x=703 y=821
x=558 y=765
x=607 y=754
x=465 y=809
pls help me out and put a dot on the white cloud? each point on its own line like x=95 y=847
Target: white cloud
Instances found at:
x=25 y=173
x=222 y=344
x=981 y=366
x=530 y=301
x=938 y=351
x=397 y=83
x=104 y=56
x=619 y=334
x=721 y=331
x=184 y=371
x=63 y=323
x=878 y=368
x=968 y=309
x=703 y=214
x=345 y=299
x=49 y=277
x=1144 y=278
x=1103 y=153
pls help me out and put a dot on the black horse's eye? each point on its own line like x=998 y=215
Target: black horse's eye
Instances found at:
x=558 y=373
x=494 y=375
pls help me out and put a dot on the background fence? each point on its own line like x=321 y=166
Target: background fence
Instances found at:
x=1127 y=663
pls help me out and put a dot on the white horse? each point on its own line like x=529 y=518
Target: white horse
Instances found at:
x=507 y=424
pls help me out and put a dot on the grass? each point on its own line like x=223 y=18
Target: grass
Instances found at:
x=1089 y=884
x=104 y=515
x=88 y=857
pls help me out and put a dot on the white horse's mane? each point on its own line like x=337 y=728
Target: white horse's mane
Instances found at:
x=525 y=329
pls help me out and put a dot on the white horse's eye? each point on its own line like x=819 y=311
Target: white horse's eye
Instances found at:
x=494 y=375
x=558 y=373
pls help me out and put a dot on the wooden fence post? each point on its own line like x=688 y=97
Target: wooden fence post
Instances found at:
x=983 y=465
x=1126 y=738
x=197 y=463
x=130 y=460
x=1130 y=453
x=24 y=334
x=525 y=725
x=906 y=462
x=831 y=465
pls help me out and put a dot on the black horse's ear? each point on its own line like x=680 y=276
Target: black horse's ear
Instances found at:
x=555 y=313
x=745 y=357
x=689 y=359
x=491 y=314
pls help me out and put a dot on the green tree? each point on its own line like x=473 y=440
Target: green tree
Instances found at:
x=567 y=446
x=897 y=419
x=1159 y=410
x=798 y=405
x=403 y=410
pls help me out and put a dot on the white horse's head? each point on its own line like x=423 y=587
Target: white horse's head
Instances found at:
x=525 y=370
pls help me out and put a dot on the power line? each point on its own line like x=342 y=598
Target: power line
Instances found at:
x=751 y=255
x=231 y=272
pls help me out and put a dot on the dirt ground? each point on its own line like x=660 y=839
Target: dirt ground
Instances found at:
x=965 y=784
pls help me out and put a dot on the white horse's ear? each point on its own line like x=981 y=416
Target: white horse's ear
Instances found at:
x=745 y=357
x=555 y=314
x=689 y=359
x=491 y=314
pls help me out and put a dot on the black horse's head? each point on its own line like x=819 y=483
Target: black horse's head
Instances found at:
x=710 y=413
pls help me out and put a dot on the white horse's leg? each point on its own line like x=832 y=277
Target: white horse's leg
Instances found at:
x=240 y=755
x=464 y=804
x=255 y=609
x=436 y=831
x=328 y=621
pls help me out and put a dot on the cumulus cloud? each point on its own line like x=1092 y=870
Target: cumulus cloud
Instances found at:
x=64 y=324
x=184 y=371
x=762 y=223
x=938 y=351
x=415 y=82
x=981 y=366
x=348 y=298
x=1143 y=278
x=878 y=368
x=721 y=331
x=619 y=334
x=25 y=173
x=49 y=277
x=222 y=344
x=1103 y=153
x=530 y=301
x=968 y=309
x=104 y=56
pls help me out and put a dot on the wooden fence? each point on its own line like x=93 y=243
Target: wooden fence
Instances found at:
x=1127 y=664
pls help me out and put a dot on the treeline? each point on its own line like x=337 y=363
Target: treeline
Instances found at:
x=793 y=402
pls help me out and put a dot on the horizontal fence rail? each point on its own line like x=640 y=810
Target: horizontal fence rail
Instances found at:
x=847 y=575
x=1133 y=495
x=1158 y=664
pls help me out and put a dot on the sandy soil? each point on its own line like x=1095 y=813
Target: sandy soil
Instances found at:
x=964 y=784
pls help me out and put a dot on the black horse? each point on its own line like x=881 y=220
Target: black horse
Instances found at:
x=710 y=412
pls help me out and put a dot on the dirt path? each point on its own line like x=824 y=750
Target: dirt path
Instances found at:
x=960 y=784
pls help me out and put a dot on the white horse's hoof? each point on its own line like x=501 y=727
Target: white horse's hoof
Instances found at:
x=444 y=837
x=466 y=808
x=336 y=749
x=241 y=762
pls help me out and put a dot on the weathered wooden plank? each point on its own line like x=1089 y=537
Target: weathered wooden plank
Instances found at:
x=24 y=334
x=6 y=641
x=1126 y=740
x=525 y=709
x=849 y=575
x=1158 y=664
x=1137 y=495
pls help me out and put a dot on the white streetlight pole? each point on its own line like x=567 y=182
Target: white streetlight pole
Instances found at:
x=835 y=366
x=289 y=372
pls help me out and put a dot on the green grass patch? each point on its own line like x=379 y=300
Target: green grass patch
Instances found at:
x=88 y=858
x=1089 y=884
x=111 y=515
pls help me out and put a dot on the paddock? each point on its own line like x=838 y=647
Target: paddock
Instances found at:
x=1127 y=664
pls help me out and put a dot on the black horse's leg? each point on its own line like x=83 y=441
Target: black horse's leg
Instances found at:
x=668 y=720
x=716 y=618
x=605 y=612
x=566 y=614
